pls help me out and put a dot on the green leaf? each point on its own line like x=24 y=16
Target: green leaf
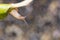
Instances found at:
x=3 y=10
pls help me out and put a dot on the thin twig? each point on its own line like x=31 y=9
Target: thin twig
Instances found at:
x=23 y=3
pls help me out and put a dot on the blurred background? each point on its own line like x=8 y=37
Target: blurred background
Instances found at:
x=42 y=21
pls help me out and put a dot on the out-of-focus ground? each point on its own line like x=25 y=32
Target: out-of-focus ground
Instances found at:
x=43 y=19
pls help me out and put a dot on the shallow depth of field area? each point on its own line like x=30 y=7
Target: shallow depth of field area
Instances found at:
x=42 y=21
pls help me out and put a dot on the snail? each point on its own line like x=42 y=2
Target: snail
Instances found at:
x=6 y=9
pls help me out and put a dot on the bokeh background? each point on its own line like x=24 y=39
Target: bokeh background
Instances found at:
x=42 y=21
